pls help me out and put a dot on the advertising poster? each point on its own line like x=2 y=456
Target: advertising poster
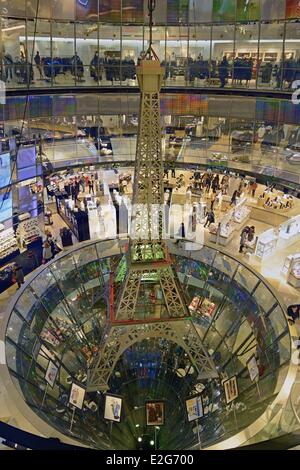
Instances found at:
x=26 y=157
x=4 y=170
x=253 y=368
x=231 y=389
x=77 y=396
x=5 y=205
x=248 y=10
x=194 y=408
x=224 y=10
x=292 y=8
x=155 y=413
x=113 y=408
x=51 y=373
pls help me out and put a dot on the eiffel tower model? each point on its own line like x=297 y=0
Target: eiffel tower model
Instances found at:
x=150 y=303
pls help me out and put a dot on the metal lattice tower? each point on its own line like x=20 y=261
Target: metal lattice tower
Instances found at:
x=149 y=271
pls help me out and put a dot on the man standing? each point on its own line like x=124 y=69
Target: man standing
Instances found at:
x=37 y=60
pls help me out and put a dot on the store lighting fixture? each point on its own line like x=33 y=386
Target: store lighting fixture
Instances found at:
x=161 y=43
x=140 y=439
x=151 y=443
x=137 y=425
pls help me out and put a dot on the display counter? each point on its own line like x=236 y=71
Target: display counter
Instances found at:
x=291 y=269
x=289 y=232
x=225 y=236
x=267 y=215
x=266 y=244
x=8 y=245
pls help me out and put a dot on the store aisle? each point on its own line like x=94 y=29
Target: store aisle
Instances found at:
x=58 y=224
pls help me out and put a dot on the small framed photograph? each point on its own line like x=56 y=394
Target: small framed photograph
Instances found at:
x=230 y=389
x=155 y=413
x=51 y=373
x=113 y=408
x=194 y=408
x=77 y=396
x=252 y=368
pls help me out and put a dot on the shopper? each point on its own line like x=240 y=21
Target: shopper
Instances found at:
x=234 y=198
x=47 y=252
x=251 y=234
x=74 y=193
x=37 y=60
x=210 y=218
x=293 y=312
x=18 y=275
x=253 y=187
x=91 y=186
x=82 y=183
x=244 y=235
x=181 y=232
x=223 y=71
x=212 y=200
x=41 y=153
x=77 y=184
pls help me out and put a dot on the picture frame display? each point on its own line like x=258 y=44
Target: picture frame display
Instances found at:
x=252 y=368
x=77 y=395
x=155 y=413
x=194 y=408
x=113 y=408
x=230 y=389
x=51 y=373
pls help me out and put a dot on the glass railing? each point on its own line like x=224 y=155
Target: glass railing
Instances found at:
x=62 y=312
x=275 y=162
x=198 y=74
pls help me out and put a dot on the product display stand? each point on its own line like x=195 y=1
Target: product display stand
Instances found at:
x=28 y=231
x=44 y=397
x=8 y=245
x=198 y=431
x=292 y=270
x=235 y=418
x=72 y=419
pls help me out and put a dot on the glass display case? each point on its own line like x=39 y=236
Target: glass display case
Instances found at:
x=226 y=229
x=266 y=244
x=289 y=232
x=291 y=269
x=241 y=212
x=8 y=243
x=202 y=307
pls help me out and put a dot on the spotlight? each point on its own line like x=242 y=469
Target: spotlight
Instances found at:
x=140 y=439
x=137 y=425
x=151 y=443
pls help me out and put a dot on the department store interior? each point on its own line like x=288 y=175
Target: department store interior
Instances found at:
x=183 y=340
